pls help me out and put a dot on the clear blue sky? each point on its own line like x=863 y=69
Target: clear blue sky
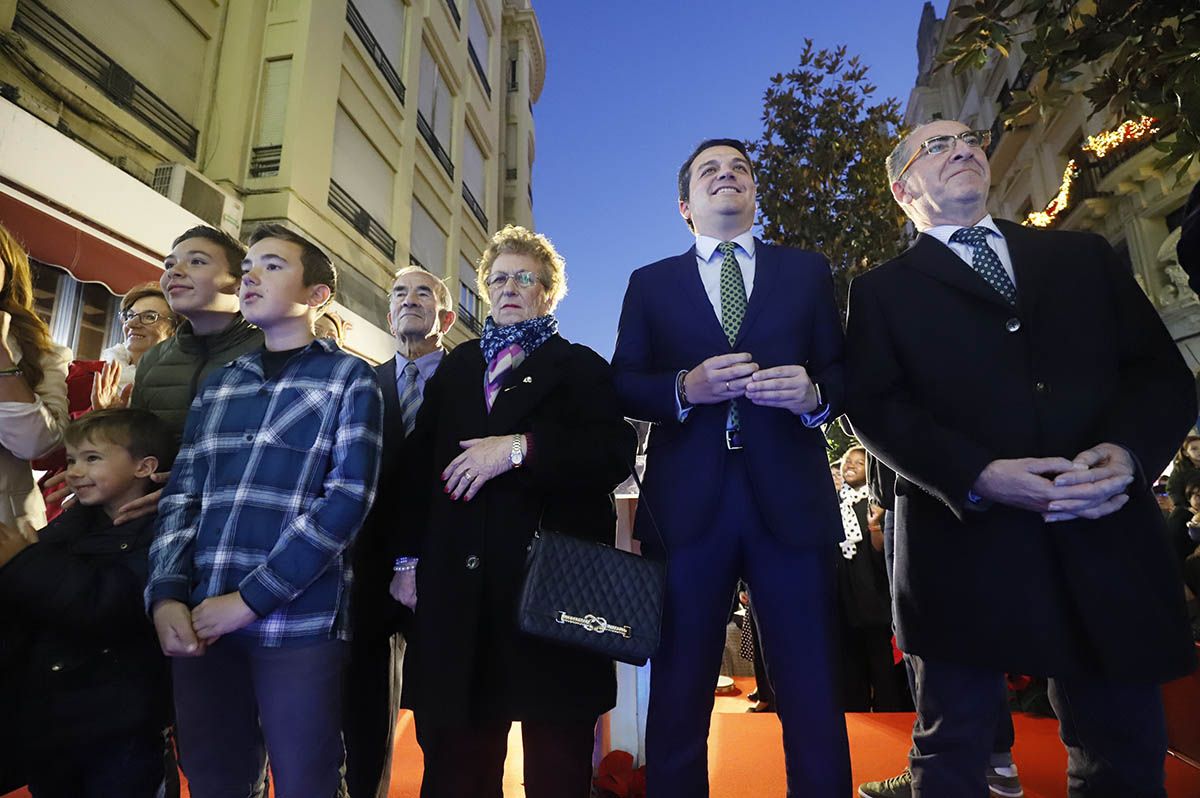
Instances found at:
x=631 y=87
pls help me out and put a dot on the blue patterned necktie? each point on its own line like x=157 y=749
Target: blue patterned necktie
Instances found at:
x=410 y=398
x=985 y=261
x=733 y=308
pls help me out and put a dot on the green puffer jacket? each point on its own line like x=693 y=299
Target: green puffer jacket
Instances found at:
x=170 y=374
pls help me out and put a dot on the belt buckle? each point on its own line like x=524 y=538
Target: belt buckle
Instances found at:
x=733 y=440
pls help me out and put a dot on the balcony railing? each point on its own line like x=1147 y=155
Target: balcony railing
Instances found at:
x=476 y=208
x=359 y=26
x=52 y=33
x=432 y=140
x=1122 y=154
x=366 y=224
x=479 y=70
x=264 y=161
x=453 y=6
x=468 y=320
x=1087 y=184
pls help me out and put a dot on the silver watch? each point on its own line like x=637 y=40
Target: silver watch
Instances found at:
x=516 y=456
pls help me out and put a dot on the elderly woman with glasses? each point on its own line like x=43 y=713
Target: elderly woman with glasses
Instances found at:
x=518 y=431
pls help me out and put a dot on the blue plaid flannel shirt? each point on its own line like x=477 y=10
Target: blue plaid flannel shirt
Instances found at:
x=271 y=485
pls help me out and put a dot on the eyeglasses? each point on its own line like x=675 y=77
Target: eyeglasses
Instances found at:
x=523 y=279
x=145 y=318
x=936 y=145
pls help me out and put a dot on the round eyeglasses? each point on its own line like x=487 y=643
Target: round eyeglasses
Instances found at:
x=936 y=145
x=523 y=279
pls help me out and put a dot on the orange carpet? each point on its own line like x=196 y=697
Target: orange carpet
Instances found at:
x=746 y=754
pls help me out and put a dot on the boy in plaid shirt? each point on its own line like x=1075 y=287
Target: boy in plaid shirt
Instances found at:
x=249 y=579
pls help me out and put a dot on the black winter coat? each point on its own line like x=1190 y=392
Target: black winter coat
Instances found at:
x=466 y=660
x=92 y=667
x=943 y=377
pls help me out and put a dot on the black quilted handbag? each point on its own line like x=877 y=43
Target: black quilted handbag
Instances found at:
x=592 y=596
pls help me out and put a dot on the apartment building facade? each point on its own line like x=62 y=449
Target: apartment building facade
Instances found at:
x=389 y=131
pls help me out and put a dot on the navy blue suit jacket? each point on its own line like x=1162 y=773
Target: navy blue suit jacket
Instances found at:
x=668 y=325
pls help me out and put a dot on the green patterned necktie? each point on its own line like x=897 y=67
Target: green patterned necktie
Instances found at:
x=733 y=307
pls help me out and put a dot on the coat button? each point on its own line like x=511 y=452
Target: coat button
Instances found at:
x=56 y=667
x=124 y=546
x=1012 y=325
x=1041 y=387
x=249 y=439
x=472 y=563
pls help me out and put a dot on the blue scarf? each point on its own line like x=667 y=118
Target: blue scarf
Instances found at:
x=528 y=334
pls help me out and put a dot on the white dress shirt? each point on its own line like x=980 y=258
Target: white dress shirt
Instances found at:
x=942 y=232
x=708 y=260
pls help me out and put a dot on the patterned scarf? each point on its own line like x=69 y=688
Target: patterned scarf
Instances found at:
x=850 y=497
x=506 y=347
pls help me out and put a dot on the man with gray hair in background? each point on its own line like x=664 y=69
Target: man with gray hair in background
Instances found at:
x=1026 y=393
x=420 y=313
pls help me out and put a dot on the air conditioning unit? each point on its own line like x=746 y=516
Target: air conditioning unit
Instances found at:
x=185 y=186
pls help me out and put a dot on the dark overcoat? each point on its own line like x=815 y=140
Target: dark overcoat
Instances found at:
x=944 y=377
x=466 y=660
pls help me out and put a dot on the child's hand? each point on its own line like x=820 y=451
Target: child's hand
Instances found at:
x=221 y=615
x=173 y=623
x=146 y=505
x=12 y=543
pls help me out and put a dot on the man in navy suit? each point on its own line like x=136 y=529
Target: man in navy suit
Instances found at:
x=734 y=351
x=420 y=313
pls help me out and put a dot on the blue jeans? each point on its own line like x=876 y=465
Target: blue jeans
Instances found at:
x=240 y=702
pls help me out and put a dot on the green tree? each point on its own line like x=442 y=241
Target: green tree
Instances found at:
x=822 y=184
x=1149 y=51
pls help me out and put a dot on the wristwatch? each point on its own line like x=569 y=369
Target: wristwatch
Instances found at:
x=516 y=456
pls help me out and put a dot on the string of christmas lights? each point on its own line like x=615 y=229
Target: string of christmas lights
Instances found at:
x=1100 y=145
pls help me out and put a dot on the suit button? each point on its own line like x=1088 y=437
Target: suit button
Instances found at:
x=1041 y=387
x=124 y=546
x=1012 y=325
x=56 y=667
x=472 y=563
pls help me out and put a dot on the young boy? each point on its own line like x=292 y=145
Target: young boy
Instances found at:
x=200 y=280
x=249 y=576
x=90 y=695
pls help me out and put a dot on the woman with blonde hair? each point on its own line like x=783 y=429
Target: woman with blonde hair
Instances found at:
x=518 y=430
x=33 y=388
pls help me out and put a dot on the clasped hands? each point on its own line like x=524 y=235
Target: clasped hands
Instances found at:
x=1091 y=486
x=724 y=377
x=188 y=633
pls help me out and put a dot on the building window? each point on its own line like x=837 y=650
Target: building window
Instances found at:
x=380 y=27
x=474 y=177
x=361 y=190
x=428 y=244
x=470 y=307
x=479 y=46
x=512 y=74
x=272 y=117
x=435 y=110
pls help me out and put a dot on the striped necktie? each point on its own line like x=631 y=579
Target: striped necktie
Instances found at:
x=410 y=398
x=733 y=309
x=985 y=261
